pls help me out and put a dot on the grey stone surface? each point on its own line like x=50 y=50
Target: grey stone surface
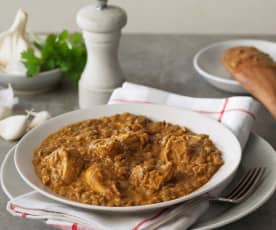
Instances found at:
x=165 y=62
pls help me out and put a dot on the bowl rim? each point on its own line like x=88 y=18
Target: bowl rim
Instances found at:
x=21 y=76
x=136 y=208
x=216 y=78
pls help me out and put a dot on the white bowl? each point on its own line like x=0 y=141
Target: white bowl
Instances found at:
x=32 y=85
x=221 y=136
x=207 y=62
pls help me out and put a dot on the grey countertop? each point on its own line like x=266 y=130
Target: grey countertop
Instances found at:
x=165 y=62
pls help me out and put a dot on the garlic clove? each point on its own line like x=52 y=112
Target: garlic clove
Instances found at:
x=7 y=97
x=38 y=118
x=5 y=111
x=7 y=101
x=14 y=127
x=14 y=41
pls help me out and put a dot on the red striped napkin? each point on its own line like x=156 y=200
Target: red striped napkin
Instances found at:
x=236 y=113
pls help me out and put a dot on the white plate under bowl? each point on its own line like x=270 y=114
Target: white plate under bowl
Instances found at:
x=221 y=136
x=32 y=85
x=207 y=62
x=257 y=153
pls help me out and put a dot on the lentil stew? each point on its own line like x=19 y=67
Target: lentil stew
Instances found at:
x=125 y=160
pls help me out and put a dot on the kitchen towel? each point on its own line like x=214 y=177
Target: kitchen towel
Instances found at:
x=236 y=113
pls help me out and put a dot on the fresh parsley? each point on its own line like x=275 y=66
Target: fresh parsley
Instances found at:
x=65 y=51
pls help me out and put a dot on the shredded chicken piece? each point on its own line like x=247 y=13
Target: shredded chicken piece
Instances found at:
x=175 y=149
x=99 y=180
x=134 y=140
x=64 y=165
x=151 y=178
x=106 y=147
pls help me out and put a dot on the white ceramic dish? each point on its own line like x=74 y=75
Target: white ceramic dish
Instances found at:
x=221 y=136
x=217 y=215
x=207 y=62
x=38 y=84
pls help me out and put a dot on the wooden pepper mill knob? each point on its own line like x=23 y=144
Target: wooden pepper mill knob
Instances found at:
x=101 y=26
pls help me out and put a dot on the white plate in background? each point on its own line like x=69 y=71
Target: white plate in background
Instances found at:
x=207 y=62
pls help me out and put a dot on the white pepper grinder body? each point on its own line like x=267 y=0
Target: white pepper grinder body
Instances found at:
x=101 y=26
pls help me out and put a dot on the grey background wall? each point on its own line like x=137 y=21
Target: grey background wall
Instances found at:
x=155 y=16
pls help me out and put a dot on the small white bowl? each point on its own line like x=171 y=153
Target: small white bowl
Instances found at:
x=32 y=85
x=220 y=135
x=207 y=62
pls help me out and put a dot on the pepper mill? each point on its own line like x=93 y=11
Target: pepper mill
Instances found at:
x=101 y=26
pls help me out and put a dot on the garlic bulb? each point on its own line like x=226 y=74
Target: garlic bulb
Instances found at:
x=14 y=127
x=38 y=118
x=13 y=42
x=17 y=68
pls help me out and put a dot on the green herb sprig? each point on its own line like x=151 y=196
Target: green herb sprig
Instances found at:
x=65 y=51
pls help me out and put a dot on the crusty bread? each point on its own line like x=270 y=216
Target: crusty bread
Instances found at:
x=255 y=71
x=243 y=57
